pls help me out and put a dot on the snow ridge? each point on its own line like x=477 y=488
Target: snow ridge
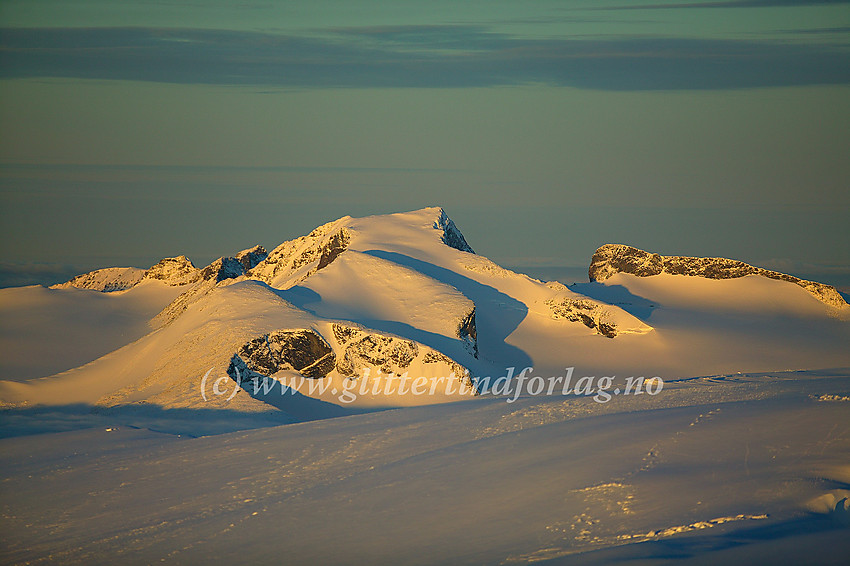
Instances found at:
x=173 y=271
x=106 y=280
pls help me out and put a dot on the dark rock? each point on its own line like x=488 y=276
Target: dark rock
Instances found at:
x=258 y=356
x=221 y=269
x=611 y=258
x=321 y=367
x=345 y=334
x=451 y=235
x=320 y=247
x=434 y=357
x=325 y=253
x=363 y=349
x=297 y=349
x=301 y=350
x=335 y=246
x=251 y=257
x=468 y=333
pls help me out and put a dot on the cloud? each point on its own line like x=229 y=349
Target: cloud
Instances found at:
x=818 y=31
x=414 y=56
x=724 y=4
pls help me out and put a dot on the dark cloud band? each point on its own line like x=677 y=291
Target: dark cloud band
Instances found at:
x=415 y=56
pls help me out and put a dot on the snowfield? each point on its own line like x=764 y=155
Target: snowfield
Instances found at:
x=132 y=431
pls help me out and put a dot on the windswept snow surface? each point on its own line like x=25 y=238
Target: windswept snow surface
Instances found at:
x=143 y=449
x=730 y=469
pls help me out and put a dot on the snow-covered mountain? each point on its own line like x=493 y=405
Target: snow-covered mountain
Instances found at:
x=405 y=294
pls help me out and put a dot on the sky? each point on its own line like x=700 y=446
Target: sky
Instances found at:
x=133 y=130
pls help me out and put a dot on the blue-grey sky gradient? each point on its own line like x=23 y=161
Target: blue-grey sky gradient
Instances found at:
x=134 y=130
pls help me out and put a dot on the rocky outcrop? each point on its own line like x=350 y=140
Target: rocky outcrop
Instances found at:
x=301 y=350
x=357 y=350
x=221 y=269
x=593 y=315
x=335 y=245
x=232 y=267
x=451 y=235
x=320 y=248
x=174 y=271
x=468 y=333
x=360 y=349
x=617 y=258
x=251 y=257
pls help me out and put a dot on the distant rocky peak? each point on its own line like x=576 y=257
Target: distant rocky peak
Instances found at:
x=174 y=271
x=617 y=258
x=105 y=280
x=451 y=235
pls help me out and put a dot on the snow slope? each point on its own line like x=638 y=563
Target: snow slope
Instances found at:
x=45 y=331
x=743 y=470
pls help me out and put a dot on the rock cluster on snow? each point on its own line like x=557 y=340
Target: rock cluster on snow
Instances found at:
x=222 y=269
x=300 y=350
x=251 y=257
x=232 y=267
x=357 y=350
x=593 y=315
x=174 y=271
x=360 y=349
